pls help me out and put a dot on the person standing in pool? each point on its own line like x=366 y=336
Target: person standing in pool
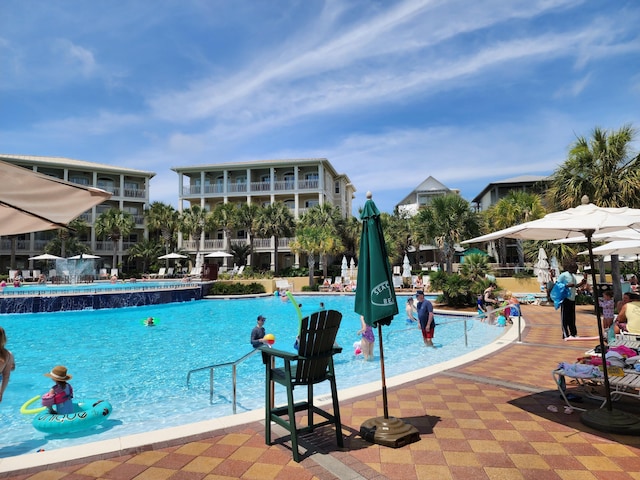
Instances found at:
x=258 y=333
x=7 y=363
x=368 y=339
x=425 y=316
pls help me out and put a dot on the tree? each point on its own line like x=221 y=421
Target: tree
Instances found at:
x=326 y=218
x=69 y=236
x=275 y=221
x=147 y=251
x=114 y=224
x=224 y=216
x=165 y=219
x=601 y=167
x=246 y=216
x=317 y=234
x=192 y=223
x=446 y=222
x=397 y=235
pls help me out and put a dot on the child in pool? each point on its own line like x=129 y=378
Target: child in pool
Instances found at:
x=61 y=392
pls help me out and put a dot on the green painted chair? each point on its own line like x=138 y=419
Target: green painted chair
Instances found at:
x=312 y=364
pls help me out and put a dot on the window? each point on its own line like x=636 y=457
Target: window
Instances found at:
x=336 y=186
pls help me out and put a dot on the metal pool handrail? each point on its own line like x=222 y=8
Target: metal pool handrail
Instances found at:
x=233 y=365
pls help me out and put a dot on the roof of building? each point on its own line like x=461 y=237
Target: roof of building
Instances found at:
x=515 y=181
x=70 y=162
x=429 y=185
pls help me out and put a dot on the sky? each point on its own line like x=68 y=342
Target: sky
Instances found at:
x=390 y=92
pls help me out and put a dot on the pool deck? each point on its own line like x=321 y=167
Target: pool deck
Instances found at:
x=483 y=419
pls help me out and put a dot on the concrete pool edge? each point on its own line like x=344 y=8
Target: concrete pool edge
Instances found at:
x=162 y=438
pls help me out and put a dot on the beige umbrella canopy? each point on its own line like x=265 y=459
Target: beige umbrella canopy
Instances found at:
x=31 y=201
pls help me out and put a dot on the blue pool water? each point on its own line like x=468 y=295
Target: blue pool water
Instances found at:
x=142 y=370
x=57 y=289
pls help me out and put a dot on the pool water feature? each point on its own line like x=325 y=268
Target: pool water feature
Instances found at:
x=99 y=295
x=142 y=370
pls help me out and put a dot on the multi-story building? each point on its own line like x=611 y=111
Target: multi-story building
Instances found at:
x=423 y=255
x=130 y=189
x=498 y=189
x=298 y=183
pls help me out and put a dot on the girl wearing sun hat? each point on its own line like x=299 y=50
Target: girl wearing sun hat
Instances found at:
x=61 y=394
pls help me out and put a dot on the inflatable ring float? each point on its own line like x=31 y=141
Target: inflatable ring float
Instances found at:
x=25 y=410
x=86 y=414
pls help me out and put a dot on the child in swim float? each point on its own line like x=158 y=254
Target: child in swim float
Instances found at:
x=61 y=394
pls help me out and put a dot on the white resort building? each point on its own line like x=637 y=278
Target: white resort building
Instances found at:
x=130 y=189
x=298 y=183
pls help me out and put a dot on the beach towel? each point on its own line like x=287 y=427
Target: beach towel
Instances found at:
x=559 y=292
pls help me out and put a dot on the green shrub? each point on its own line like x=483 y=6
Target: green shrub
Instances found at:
x=584 y=299
x=235 y=288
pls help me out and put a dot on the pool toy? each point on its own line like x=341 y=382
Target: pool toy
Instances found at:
x=155 y=322
x=270 y=338
x=296 y=306
x=357 y=350
x=25 y=410
x=86 y=414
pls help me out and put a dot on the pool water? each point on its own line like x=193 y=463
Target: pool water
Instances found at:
x=142 y=370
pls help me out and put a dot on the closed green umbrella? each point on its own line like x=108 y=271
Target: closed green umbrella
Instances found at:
x=376 y=302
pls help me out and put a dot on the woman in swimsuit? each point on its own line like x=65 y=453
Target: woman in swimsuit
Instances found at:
x=7 y=363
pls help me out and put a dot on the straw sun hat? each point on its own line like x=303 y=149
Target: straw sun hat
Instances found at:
x=59 y=374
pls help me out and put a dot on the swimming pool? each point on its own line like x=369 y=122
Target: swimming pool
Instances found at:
x=142 y=370
x=94 y=287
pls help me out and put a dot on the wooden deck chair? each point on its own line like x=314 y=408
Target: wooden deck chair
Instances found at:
x=311 y=365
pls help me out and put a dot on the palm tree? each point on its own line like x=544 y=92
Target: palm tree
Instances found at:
x=165 y=219
x=224 y=215
x=603 y=168
x=114 y=224
x=193 y=222
x=146 y=250
x=67 y=239
x=326 y=218
x=397 y=235
x=246 y=216
x=349 y=230
x=306 y=241
x=275 y=221
x=446 y=221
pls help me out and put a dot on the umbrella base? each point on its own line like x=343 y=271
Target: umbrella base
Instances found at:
x=614 y=421
x=390 y=432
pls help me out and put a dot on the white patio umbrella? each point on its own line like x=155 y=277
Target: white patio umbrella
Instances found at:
x=617 y=247
x=84 y=256
x=172 y=256
x=352 y=268
x=406 y=267
x=218 y=254
x=46 y=256
x=583 y=221
x=343 y=267
x=31 y=201
x=541 y=268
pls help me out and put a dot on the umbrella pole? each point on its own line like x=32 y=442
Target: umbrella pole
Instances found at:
x=385 y=404
x=606 y=419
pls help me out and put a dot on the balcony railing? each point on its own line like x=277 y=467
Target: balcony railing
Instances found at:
x=278 y=185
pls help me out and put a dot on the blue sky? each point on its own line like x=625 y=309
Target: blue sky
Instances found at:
x=389 y=91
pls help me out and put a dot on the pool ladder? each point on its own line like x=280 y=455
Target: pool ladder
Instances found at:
x=233 y=366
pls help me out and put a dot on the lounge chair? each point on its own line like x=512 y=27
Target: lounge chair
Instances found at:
x=311 y=365
x=283 y=285
x=589 y=379
x=103 y=275
x=12 y=274
x=162 y=272
x=170 y=273
x=397 y=282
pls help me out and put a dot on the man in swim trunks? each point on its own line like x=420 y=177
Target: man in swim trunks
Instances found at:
x=425 y=316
